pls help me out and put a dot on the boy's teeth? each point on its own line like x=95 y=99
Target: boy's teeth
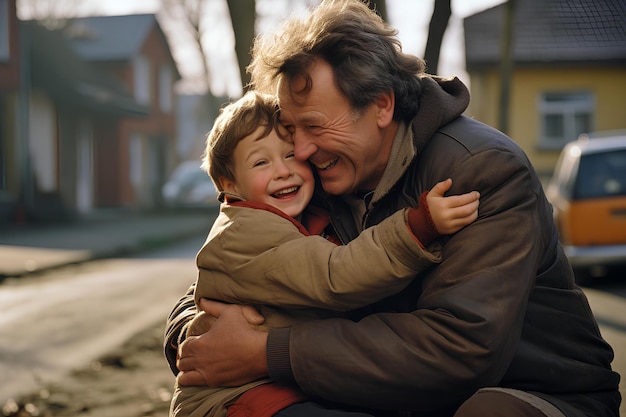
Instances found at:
x=287 y=191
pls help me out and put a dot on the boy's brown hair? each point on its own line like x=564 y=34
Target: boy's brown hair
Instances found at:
x=236 y=121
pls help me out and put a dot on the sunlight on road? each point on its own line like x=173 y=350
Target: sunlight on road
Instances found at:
x=609 y=311
x=63 y=321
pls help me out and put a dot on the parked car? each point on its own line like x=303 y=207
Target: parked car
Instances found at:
x=189 y=186
x=588 y=195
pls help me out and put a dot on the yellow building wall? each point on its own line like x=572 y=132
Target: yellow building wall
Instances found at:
x=608 y=86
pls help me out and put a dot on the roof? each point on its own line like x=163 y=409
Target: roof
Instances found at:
x=56 y=68
x=109 y=38
x=550 y=32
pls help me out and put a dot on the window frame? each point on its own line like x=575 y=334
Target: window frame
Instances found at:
x=568 y=105
x=141 y=77
x=165 y=89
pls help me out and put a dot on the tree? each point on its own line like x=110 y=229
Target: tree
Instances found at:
x=189 y=13
x=243 y=16
x=436 y=29
x=506 y=65
x=53 y=14
x=380 y=6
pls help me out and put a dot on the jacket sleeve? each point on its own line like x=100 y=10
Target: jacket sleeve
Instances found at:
x=466 y=325
x=264 y=259
x=181 y=314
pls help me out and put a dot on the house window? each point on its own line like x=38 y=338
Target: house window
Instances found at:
x=141 y=72
x=42 y=141
x=4 y=31
x=136 y=159
x=165 y=89
x=564 y=116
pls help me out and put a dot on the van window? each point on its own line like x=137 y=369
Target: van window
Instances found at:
x=601 y=175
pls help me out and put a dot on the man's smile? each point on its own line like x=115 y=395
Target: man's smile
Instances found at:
x=326 y=165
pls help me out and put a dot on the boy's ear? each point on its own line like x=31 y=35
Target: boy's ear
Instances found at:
x=385 y=106
x=228 y=185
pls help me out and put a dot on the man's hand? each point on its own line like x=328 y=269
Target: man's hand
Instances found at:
x=231 y=353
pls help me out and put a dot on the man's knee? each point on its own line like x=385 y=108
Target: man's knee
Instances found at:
x=487 y=403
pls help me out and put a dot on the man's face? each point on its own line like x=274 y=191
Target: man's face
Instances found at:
x=348 y=149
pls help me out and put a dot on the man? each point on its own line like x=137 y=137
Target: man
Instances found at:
x=497 y=329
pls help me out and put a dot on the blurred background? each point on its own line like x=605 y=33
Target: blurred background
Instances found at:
x=100 y=102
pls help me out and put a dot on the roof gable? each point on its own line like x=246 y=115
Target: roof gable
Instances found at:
x=550 y=32
x=58 y=70
x=109 y=38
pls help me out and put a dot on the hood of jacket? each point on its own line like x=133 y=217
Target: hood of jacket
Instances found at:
x=442 y=100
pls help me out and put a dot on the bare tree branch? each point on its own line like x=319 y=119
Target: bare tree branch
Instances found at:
x=189 y=13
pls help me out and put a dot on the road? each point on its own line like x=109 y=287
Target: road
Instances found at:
x=58 y=321
x=608 y=303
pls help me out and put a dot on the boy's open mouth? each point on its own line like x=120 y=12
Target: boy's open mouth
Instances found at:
x=286 y=192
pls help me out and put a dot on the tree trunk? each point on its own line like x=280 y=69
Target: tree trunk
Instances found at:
x=380 y=6
x=242 y=16
x=506 y=65
x=436 y=30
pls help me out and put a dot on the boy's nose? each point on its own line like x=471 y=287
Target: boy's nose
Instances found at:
x=283 y=170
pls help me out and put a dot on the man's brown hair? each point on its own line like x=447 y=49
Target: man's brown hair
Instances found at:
x=363 y=50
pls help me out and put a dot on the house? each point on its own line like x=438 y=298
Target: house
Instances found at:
x=87 y=119
x=50 y=101
x=568 y=76
x=196 y=113
x=71 y=104
x=135 y=155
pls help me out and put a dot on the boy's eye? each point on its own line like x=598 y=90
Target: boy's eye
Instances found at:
x=259 y=163
x=290 y=155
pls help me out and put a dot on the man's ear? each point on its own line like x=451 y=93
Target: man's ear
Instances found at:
x=228 y=185
x=385 y=106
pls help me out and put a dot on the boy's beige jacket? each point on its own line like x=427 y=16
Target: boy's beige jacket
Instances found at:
x=253 y=256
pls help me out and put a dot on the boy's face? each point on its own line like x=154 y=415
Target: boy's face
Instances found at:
x=267 y=172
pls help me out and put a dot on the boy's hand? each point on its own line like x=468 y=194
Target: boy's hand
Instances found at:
x=451 y=214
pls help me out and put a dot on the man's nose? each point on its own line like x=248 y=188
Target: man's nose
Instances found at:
x=303 y=147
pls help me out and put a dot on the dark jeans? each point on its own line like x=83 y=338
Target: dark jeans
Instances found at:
x=482 y=404
x=311 y=409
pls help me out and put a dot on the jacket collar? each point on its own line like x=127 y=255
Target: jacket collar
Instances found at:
x=442 y=100
x=402 y=153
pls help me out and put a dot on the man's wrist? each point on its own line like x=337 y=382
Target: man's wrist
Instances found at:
x=278 y=357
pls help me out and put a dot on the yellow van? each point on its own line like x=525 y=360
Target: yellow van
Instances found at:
x=588 y=195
